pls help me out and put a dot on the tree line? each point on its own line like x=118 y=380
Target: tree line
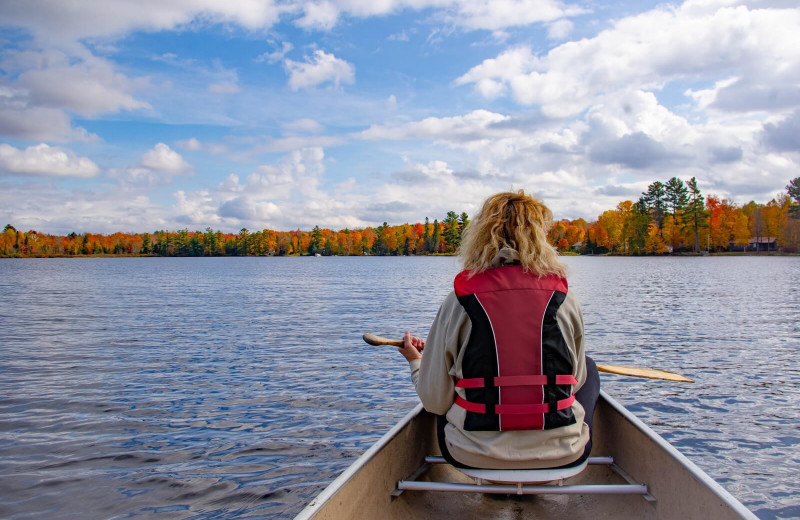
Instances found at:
x=672 y=216
x=429 y=238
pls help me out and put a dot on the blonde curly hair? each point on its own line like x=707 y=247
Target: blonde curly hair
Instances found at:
x=516 y=221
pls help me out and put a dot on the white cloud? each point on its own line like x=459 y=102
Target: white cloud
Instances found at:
x=46 y=208
x=43 y=86
x=402 y=36
x=472 y=126
x=647 y=51
x=39 y=123
x=194 y=145
x=299 y=171
x=559 y=29
x=162 y=158
x=46 y=160
x=88 y=87
x=281 y=195
x=500 y=14
x=317 y=69
x=784 y=135
x=244 y=208
x=56 y=20
x=318 y=15
x=275 y=56
x=190 y=144
x=289 y=144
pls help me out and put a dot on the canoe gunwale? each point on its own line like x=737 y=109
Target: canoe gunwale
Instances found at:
x=690 y=466
x=319 y=501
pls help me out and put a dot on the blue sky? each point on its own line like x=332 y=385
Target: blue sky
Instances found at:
x=143 y=115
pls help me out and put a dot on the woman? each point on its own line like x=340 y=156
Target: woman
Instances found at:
x=504 y=364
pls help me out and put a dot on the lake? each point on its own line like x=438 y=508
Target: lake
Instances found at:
x=239 y=387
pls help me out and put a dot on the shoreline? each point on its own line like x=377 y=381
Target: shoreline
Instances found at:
x=566 y=254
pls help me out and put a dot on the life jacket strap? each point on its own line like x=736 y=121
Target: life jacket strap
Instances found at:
x=480 y=382
x=516 y=409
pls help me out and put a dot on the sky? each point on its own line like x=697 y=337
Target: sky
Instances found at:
x=140 y=115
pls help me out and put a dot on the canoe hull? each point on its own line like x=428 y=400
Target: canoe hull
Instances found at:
x=680 y=489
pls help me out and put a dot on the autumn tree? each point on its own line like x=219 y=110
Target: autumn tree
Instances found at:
x=613 y=223
x=654 y=244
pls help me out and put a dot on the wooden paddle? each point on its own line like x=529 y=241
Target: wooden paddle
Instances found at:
x=647 y=373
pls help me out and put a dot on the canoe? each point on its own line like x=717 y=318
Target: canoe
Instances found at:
x=676 y=488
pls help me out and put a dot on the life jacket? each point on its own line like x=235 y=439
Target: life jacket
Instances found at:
x=517 y=369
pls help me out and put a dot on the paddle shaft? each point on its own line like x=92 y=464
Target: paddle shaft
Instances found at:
x=647 y=373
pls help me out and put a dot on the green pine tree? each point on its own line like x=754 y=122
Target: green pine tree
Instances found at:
x=656 y=199
x=452 y=232
x=315 y=246
x=694 y=214
x=793 y=188
x=426 y=237
x=437 y=236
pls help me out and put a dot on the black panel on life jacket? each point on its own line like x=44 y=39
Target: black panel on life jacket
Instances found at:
x=555 y=360
x=480 y=360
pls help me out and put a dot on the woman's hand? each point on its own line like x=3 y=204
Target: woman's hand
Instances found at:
x=411 y=347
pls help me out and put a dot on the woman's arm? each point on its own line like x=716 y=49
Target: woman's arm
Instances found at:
x=434 y=378
x=570 y=321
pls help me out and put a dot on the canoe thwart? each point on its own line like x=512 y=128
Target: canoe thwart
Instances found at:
x=524 y=482
x=523 y=489
x=432 y=459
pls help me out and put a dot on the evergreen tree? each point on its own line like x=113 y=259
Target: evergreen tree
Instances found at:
x=694 y=214
x=241 y=248
x=676 y=199
x=656 y=199
x=426 y=237
x=793 y=188
x=452 y=232
x=315 y=245
x=437 y=236
x=380 y=247
x=677 y=196
x=145 y=243
x=210 y=242
x=182 y=242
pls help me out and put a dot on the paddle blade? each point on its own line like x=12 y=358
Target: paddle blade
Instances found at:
x=376 y=341
x=647 y=373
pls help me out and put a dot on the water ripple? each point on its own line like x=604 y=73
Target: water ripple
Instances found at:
x=239 y=387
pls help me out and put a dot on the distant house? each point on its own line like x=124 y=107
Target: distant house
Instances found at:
x=763 y=244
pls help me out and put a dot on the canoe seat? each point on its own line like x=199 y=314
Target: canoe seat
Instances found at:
x=524 y=475
x=524 y=482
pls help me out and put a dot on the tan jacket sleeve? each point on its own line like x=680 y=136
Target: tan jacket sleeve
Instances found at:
x=434 y=374
x=570 y=321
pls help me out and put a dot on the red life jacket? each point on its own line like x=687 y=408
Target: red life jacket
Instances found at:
x=517 y=367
